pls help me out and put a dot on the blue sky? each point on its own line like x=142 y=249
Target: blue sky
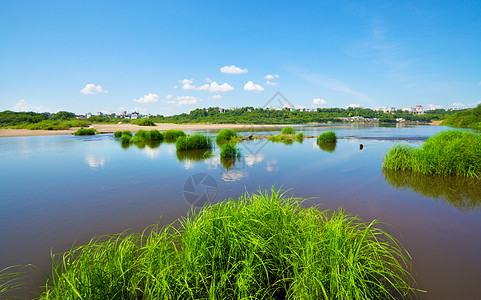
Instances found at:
x=166 y=56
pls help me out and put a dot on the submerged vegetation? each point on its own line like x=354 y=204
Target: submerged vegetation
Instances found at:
x=462 y=192
x=260 y=246
x=450 y=152
x=287 y=130
x=193 y=142
x=470 y=118
x=85 y=131
x=327 y=137
x=225 y=135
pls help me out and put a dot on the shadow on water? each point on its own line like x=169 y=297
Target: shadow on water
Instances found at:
x=193 y=155
x=461 y=192
x=328 y=147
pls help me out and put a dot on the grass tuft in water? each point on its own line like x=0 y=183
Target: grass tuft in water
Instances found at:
x=327 y=137
x=172 y=135
x=230 y=151
x=125 y=139
x=126 y=132
x=193 y=142
x=287 y=130
x=450 y=152
x=118 y=134
x=85 y=131
x=225 y=135
x=153 y=135
x=260 y=246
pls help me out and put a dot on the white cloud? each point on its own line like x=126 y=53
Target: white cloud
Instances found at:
x=252 y=87
x=187 y=84
x=353 y=105
x=169 y=96
x=176 y=87
x=185 y=100
x=318 y=101
x=271 y=83
x=207 y=79
x=91 y=89
x=271 y=76
x=233 y=70
x=214 y=87
x=217 y=96
x=22 y=105
x=171 y=101
x=149 y=98
x=433 y=106
x=456 y=104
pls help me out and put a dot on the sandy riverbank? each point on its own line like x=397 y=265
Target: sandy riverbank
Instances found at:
x=110 y=128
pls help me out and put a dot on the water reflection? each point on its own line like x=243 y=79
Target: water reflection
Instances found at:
x=328 y=147
x=461 y=192
x=229 y=163
x=94 y=161
x=193 y=155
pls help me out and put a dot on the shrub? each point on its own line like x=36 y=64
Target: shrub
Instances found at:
x=229 y=151
x=327 y=137
x=287 y=130
x=450 y=152
x=281 y=138
x=118 y=134
x=144 y=122
x=154 y=135
x=85 y=131
x=172 y=135
x=193 y=142
x=225 y=135
x=260 y=246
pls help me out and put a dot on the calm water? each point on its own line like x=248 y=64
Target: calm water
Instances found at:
x=57 y=190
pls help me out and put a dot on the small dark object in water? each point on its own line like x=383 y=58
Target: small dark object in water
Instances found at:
x=250 y=137
x=361 y=146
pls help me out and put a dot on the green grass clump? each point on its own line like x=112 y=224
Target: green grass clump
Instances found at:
x=144 y=122
x=118 y=134
x=85 y=131
x=281 y=138
x=153 y=135
x=126 y=132
x=172 y=135
x=299 y=137
x=54 y=124
x=327 y=137
x=229 y=151
x=193 y=142
x=193 y=155
x=225 y=135
x=260 y=246
x=139 y=136
x=287 y=130
x=450 y=152
x=125 y=139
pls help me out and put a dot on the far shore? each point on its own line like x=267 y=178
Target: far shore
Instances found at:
x=111 y=128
